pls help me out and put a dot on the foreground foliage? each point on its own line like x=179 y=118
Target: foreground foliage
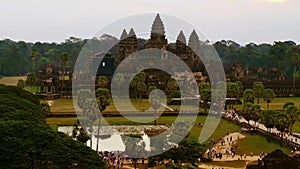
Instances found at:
x=27 y=142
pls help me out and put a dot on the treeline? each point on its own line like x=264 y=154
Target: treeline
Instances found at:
x=28 y=142
x=282 y=55
x=16 y=57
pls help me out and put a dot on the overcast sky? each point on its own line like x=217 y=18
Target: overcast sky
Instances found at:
x=243 y=21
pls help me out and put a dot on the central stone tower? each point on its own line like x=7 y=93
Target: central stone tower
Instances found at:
x=157 y=39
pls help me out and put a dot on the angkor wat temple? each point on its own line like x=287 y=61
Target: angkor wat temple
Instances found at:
x=188 y=51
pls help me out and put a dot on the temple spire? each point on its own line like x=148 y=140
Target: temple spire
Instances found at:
x=194 y=42
x=131 y=32
x=158 y=26
x=124 y=35
x=181 y=38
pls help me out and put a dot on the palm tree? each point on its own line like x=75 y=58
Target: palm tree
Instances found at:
x=282 y=122
x=155 y=102
x=21 y=83
x=172 y=86
x=151 y=88
x=247 y=112
x=103 y=81
x=90 y=112
x=258 y=88
x=268 y=119
x=133 y=83
x=205 y=94
x=33 y=58
x=64 y=59
x=294 y=58
x=248 y=96
x=251 y=112
x=85 y=103
x=103 y=100
x=45 y=109
x=141 y=88
x=256 y=114
x=293 y=114
x=232 y=91
x=31 y=79
x=287 y=104
x=268 y=96
x=141 y=76
x=239 y=89
x=136 y=79
x=119 y=81
x=296 y=62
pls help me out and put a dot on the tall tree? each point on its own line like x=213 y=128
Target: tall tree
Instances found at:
x=240 y=89
x=268 y=119
x=141 y=89
x=268 y=96
x=31 y=79
x=294 y=59
x=103 y=81
x=205 y=94
x=136 y=79
x=155 y=102
x=119 y=81
x=89 y=110
x=133 y=84
x=293 y=114
x=21 y=83
x=258 y=88
x=257 y=113
x=54 y=56
x=247 y=112
x=232 y=91
x=34 y=55
x=172 y=86
x=64 y=59
x=248 y=96
x=103 y=100
x=282 y=122
x=287 y=104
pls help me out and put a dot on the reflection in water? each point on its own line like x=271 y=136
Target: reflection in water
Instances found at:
x=112 y=140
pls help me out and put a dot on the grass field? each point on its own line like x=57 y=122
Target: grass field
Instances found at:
x=11 y=81
x=220 y=131
x=231 y=164
x=276 y=104
x=62 y=106
x=251 y=143
x=296 y=127
x=66 y=105
x=255 y=143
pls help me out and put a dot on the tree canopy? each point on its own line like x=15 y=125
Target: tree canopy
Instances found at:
x=28 y=142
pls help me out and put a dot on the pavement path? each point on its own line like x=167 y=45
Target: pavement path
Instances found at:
x=232 y=114
x=227 y=145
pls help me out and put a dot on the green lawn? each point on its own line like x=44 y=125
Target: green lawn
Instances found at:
x=11 y=81
x=220 y=131
x=255 y=143
x=231 y=164
x=296 y=127
x=276 y=104
x=66 y=106
x=61 y=121
x=62 y=106
x=251 y=143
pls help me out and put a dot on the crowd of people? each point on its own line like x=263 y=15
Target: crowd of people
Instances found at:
x=116 y=159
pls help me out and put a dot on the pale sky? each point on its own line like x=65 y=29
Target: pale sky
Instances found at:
x=243 y=21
